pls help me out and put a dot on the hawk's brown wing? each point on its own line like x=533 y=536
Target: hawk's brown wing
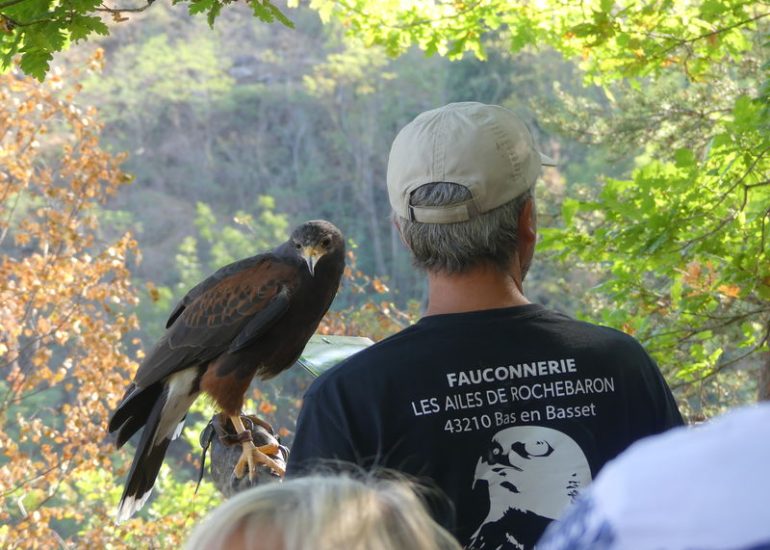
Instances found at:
x=212 y=280
x=224 y=313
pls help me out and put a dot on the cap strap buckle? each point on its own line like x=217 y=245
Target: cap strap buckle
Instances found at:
x=452 y=213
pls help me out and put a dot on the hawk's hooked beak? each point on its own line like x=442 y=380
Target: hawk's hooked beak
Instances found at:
x=311 y=256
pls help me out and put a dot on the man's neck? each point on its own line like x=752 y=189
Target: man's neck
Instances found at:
x=482 y=288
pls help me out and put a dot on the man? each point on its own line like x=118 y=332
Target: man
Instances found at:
x=509 y=408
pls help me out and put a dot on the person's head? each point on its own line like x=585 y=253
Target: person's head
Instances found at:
x=323 y=512
x=460 y=182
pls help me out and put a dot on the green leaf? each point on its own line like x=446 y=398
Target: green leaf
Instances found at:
x=763 y=289
x=711 y=10
x=522 y=35
x=568 y=209
x=676 y=293
x=29 y=10
x=551 y=239
x=36 y=63
x=456 y=49
x=280 y=16
x=584 y=29
x=49 y=36
x=684 y=158
x=214 y=13
x=745 y=112
x=656 y=242
x=83 y=25
x=7 y=54
x=267 y=12
x=84 y=6
x=200 y=6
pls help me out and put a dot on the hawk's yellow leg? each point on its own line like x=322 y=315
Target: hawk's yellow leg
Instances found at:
x=253 y=455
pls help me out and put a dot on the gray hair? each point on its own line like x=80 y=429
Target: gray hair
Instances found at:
x=452 y=248
x=323 y=512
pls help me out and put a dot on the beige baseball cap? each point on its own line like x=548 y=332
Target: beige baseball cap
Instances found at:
x=485 y=148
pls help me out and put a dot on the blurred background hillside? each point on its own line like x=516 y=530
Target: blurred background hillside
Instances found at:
x=215 y=121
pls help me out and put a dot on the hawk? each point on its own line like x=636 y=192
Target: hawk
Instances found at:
x=250 y=318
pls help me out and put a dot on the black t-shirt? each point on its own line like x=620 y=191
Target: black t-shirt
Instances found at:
x=511 y=412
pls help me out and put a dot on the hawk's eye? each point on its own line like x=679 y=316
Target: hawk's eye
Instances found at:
x=326 y=242
x=532 y=449
x=297 y=246
x=495 y=454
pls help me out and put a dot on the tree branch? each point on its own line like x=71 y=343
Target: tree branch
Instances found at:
x=683 y=42
x=420 y=22
x=118 y=11
x=719 y=368
x=731 y=217
x=760 y=184
x=10 y=3
x=689 y=332
x=748 y=171
x=32 y=479
x=29 y=23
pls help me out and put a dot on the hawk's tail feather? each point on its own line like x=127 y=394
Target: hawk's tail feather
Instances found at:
x=162 y=423
x=134 y=411
x=148 y=459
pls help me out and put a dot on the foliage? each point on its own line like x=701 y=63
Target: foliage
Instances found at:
x=250 y=236
x=37 y=29
x=685 y=244
x=613 y=39
x=682 y=243
x=194 y=73
x=66 y=299
x=166 y=524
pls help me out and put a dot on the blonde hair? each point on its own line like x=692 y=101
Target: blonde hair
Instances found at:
x=323 y=512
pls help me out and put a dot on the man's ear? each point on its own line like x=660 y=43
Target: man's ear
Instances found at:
x=526 y=237
x=528 y=224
